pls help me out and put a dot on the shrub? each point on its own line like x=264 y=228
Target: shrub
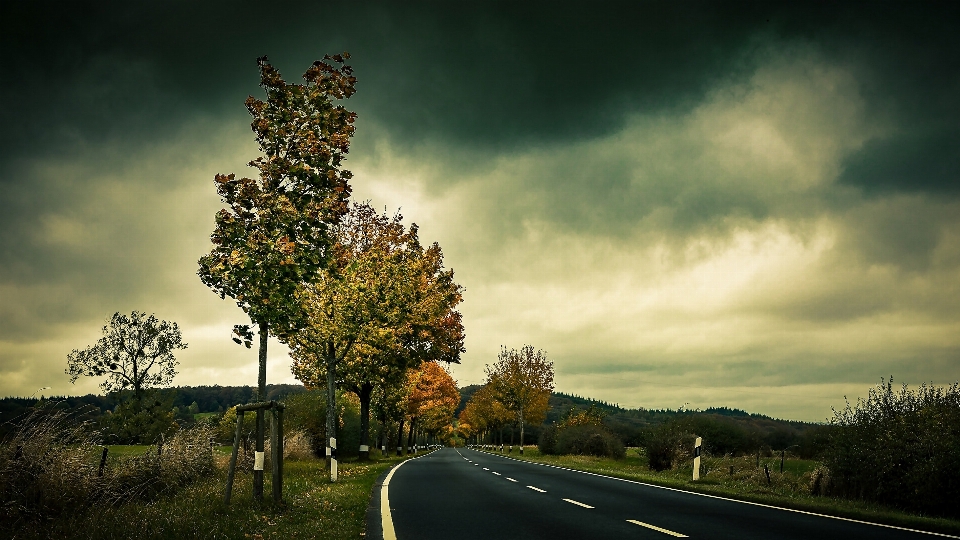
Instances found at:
x=140 y=421
x=899 y=448
x=227 y=426
x=296 y=446
x=661 y=446
x=589 y=439
x=547 y=442
x=307 y=412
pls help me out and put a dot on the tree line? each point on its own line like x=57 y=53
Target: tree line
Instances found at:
x=362 y=303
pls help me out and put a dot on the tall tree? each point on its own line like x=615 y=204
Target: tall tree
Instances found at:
x=522 y=380
x=432 y=399
x=135 y=353
x=430 y=328
x=275 y=234
x=356 y=304
x=486 y=410
x=383 y=306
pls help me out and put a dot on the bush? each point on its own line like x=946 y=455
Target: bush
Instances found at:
x=899 y=448
x=661 y=446
x=547 y=442
x=589 y=439
x=143 y=421
x=227 y=426
x=296 y=446
x=307 y=412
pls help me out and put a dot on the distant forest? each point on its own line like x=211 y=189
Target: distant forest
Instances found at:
x=729 y=430
x=207 y=398
x=749 y=430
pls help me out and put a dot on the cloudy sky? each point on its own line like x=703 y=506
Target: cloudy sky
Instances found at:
x=750 y=205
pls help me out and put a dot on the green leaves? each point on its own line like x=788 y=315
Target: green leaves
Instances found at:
x=274 y=235
x=135 y=353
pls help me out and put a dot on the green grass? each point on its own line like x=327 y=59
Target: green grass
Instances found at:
x=202 y=415
x=313 y=507
x=748 y=482
x=126 y=450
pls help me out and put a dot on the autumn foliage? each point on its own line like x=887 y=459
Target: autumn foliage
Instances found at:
x=273 y=236
x=433 y=397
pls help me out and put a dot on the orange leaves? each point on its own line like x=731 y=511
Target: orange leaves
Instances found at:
x=433 y=396
x=286 y=246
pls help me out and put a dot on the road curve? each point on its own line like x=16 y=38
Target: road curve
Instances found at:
x=466 y=494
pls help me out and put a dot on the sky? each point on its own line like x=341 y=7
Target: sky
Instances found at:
x=685 y=204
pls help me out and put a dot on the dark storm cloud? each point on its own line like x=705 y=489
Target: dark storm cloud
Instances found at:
x=494 y=73
x=637 y=186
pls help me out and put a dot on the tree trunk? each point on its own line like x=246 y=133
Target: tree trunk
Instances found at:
x=382 y=439
x=331 y=403
x=400 y=438
x=261 y=395
x=413 y=422
x=365 y=390
x=521 y=431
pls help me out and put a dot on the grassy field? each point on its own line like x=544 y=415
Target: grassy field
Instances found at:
x=313 y=507
x=748 y=482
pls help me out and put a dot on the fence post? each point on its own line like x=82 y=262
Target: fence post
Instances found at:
x=233 y=459
x=696 y=458
x=276 y=454
x=280 y=408
x=258 y=457
x=103 y=461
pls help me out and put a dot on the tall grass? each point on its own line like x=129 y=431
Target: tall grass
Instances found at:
x=50 y=466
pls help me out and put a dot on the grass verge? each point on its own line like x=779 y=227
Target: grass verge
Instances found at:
x=747 y=483
x=313 y=507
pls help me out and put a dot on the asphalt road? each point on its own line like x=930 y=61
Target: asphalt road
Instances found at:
x=467 y=494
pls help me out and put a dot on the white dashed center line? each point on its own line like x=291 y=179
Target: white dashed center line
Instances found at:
x=510 y=479
x=578 y=503
x=486 y=469
x=658 y=529
x=537 y=489
x=496 y=473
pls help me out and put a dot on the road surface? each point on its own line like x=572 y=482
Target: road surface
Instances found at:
x=471 y=495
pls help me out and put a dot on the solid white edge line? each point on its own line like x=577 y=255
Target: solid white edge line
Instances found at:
x=762 y=505
x=386 y=518
x=578 y=503
x=654 y=527
x=536 y=489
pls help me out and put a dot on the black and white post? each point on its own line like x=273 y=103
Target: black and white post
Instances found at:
x=696 y=458
x=332 y=449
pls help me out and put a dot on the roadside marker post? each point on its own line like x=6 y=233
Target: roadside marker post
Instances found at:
x=696 y=458
x=333 y=459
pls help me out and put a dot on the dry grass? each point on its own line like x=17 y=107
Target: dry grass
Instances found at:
x=50 y=466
